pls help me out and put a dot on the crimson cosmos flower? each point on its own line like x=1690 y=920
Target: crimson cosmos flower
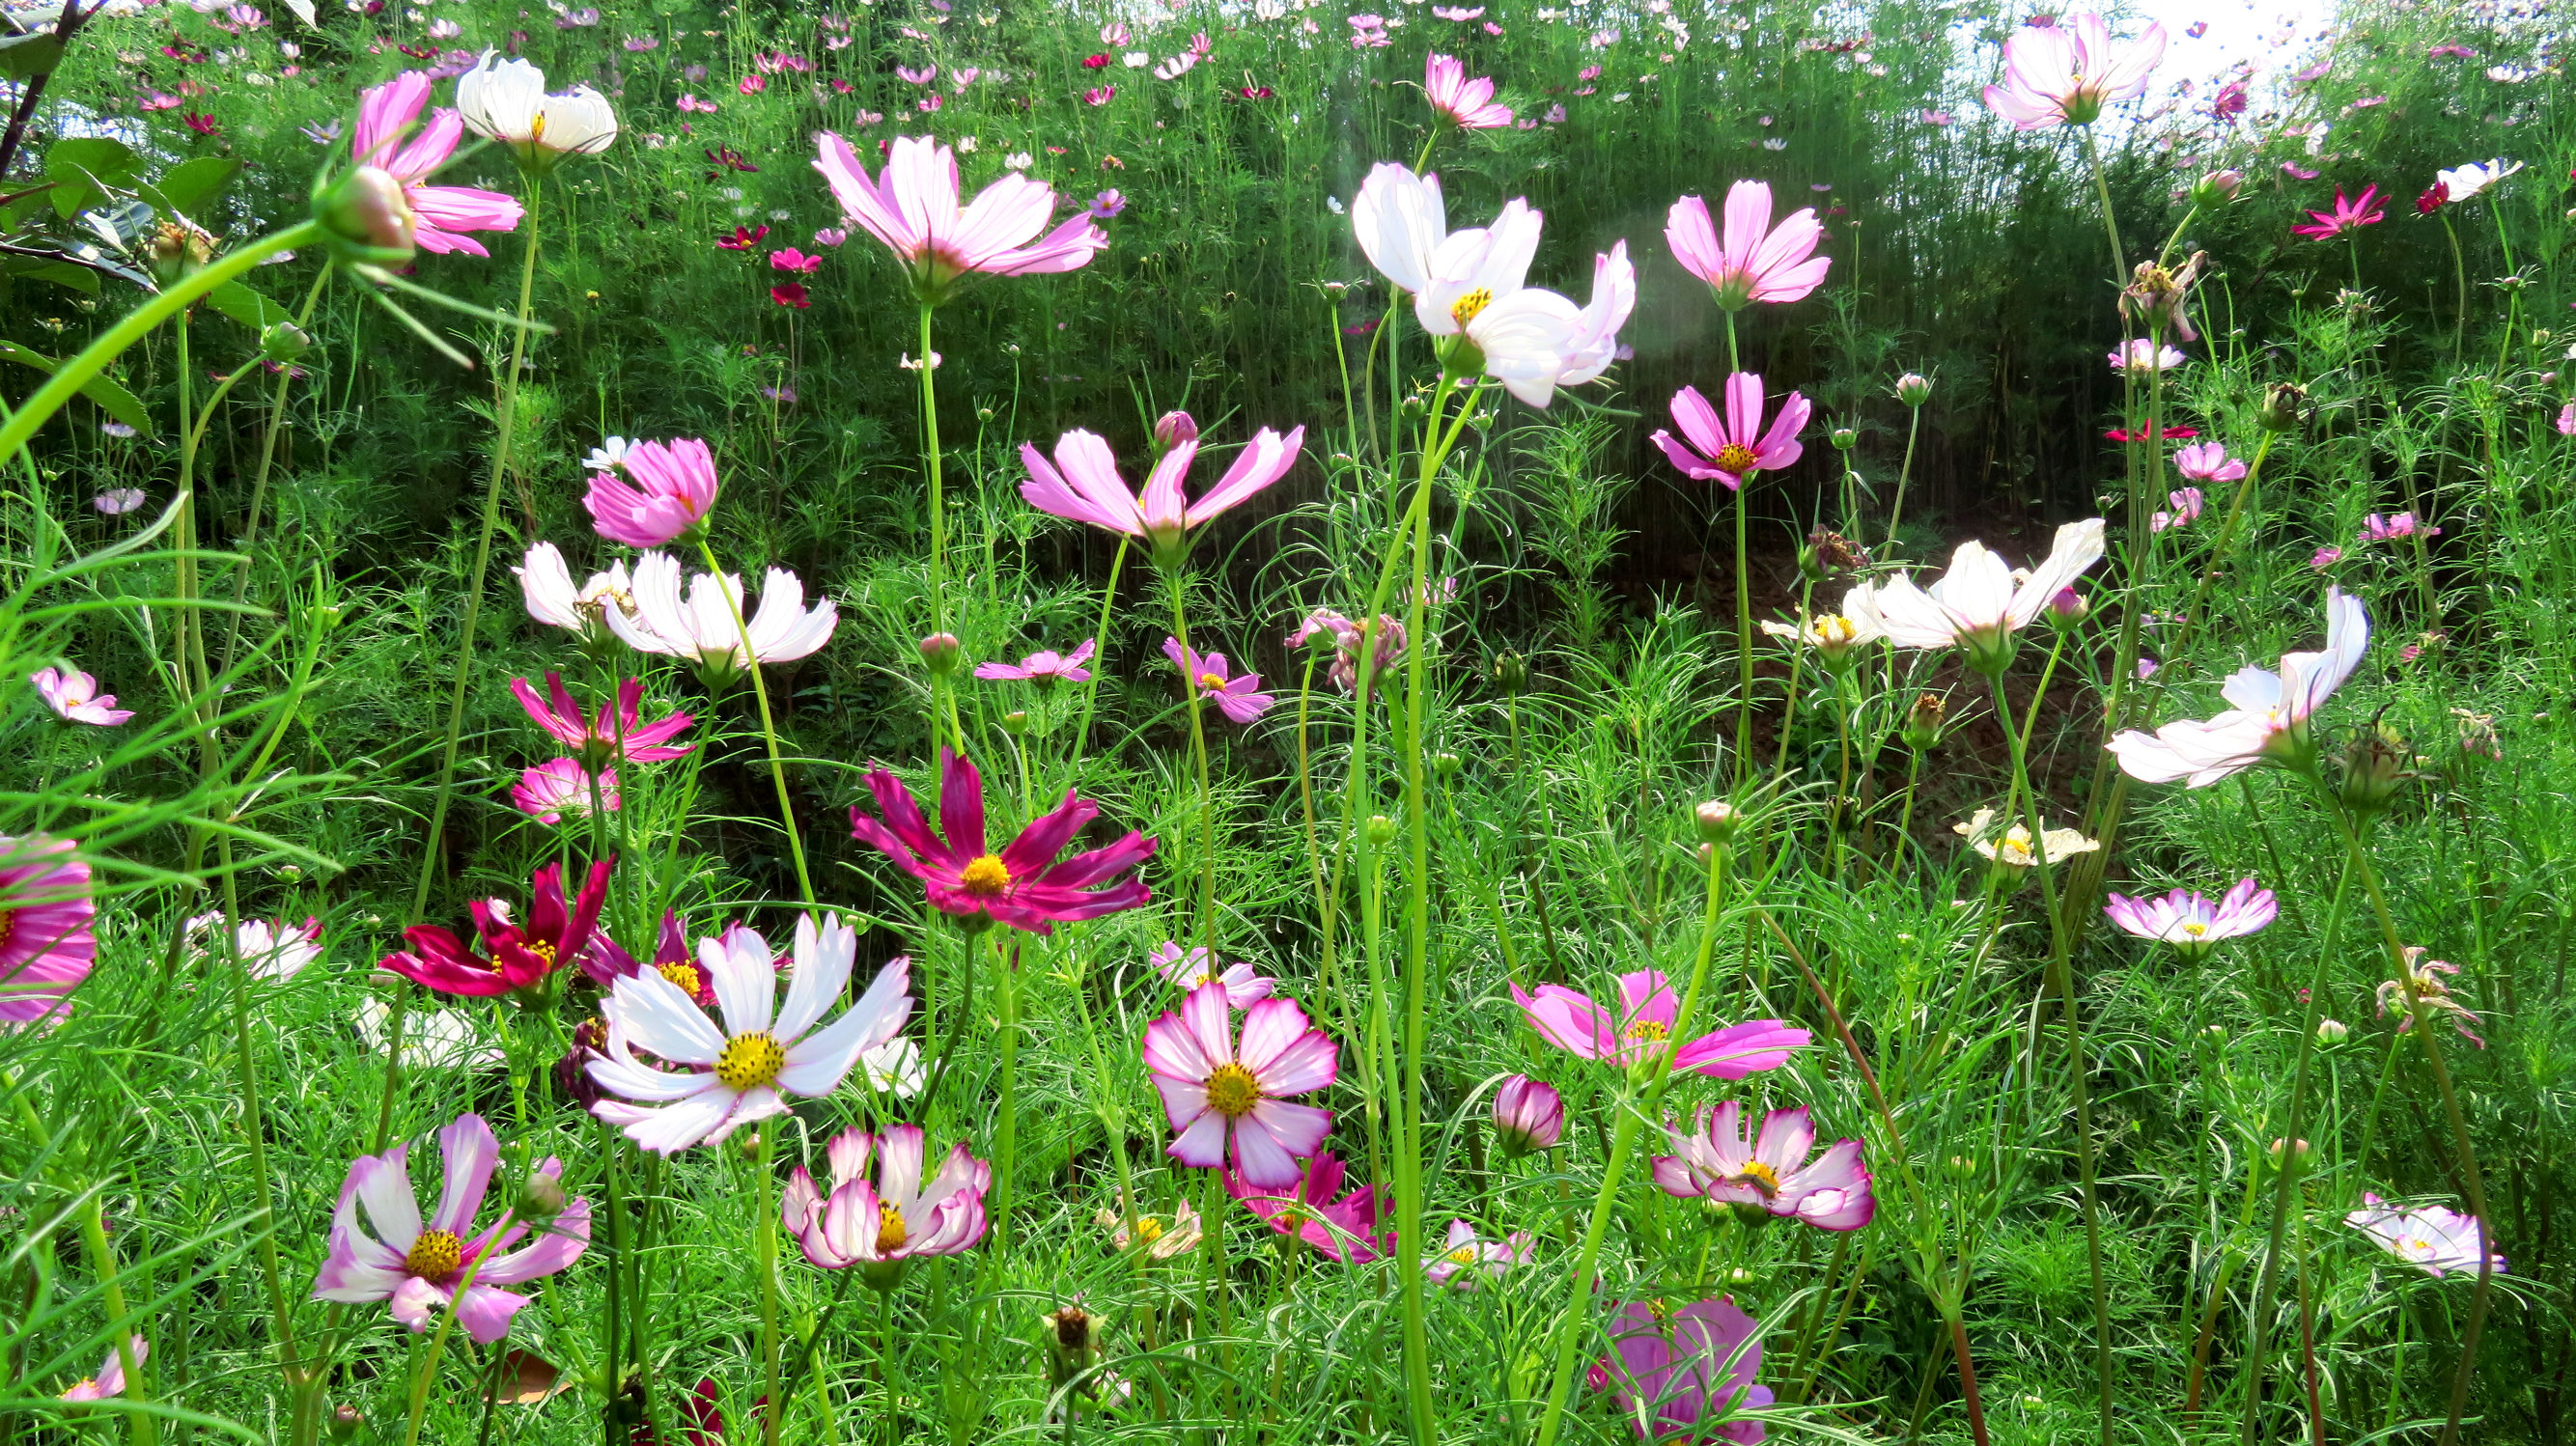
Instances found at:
x=598 y=738
x=521 y=957
x=1025 y=885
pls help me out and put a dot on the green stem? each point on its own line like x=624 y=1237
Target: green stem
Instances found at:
x=438 y=1340
x=765 y=1258
x=768 y=727
x=1896 y=509
x=1173 y=587
x=141 y=1425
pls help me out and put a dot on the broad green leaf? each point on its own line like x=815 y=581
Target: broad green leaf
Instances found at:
x=186 y=188
x=111 y=398
x=246 y=306
x=24 y=55
x=84 y=167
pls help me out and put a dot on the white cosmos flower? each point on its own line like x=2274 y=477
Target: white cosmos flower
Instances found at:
x=2433 y=1239
x=506 y=101
x=1595 y=344
x=1977 y=605
x=608 y=456
x=894 y=1067
x=2268 y=719
x=1483 y=318
x=730 y=1074
x=2462 y=182
x=1400 y=221
x=701 y=628
x=431 y=1038
x=269 y=950
x=552 y=599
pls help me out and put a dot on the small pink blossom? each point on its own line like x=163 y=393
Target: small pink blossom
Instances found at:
x=74 y=697
x=1237 y=696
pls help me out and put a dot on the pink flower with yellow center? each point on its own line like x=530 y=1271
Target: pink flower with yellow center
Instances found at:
x=913 y=208
x=1643 y=1027
x=1237 y=696
x=1723 y=1161
x=1731 y=449
x=1025 y=885
x=1755 y=261
x=1220 y=1092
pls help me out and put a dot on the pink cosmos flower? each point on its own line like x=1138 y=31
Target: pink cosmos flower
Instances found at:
x=1732 y=449
x=1189 y=970
x=1680 y=1367
x=1216 y=1093
x=1980 y=603
x=560 y=786
x=1723 y=1161
x=1467 y=103
x=1237 y=697
x=110 y=1380
x=912 y=207
x=2366 y=209
x=2269 y=719
x=269 y=949
x=2142 y=354
x=2208 y=462
x=2432 y=996
x=2055 y=77
x=674 y=486
x=440 y=214
x=624 y=738
x=831 y=236
x=791 y=259
x=1456 y=1264
x=1756 y=261
x=418 y=1263
x=2186 y=505
x=1345 y=1230
x=522 y=956
x=47 y=917
x=1644 y=1026
x=1528 y=1115
x=2374 y=529
x=1025 y=885
x=2190 y=922
x=117 y=501
x=74 y=697
x=2434 y=1239
x=2325 y=557
x=1083 y=484
x=879 y=1225
x=2567 y=420
x=1046 y=667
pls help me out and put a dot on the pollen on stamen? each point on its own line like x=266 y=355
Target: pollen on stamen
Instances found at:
x=1466 y=308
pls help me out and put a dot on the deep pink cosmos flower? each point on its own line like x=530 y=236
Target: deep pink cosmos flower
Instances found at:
x=1734 y=447
x=1467 y=104
x=1345 y=1230
x=1528 y=1116
x=2055 y=77
x=417 y=1263
x=1681 y=1367
x=1644 y=1026
x=791 y=259
x=744 y=238
x=604 y=963
x=2349 y=214
x=792 y=295
x=1083 y=484
x=2208 y=462
x=522 y=957
x=1024 y=885
x=1237 y=696
x=47 y=917
x=1197 y=966
x=1756 y=261
x=1344 y=634
x=2376 y=529
x=2191 y=923
x=912 y=207
x=74 y=697
x=673 y=485
x=560 y=786
x=2149 y=434
x=1216 y=1092
x=1721 y=1160
x=881 y=1224
x=1045 y=667
x=599 y=738
x=2186 y=505
x=440 y=214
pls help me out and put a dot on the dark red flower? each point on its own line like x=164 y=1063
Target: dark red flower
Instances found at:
x=791 y=293
x=203 y=125
x=2170 y=434
x=522 y=957
x=729 y=159
x=744 y=238
x=603 y=963
x=1255 y=92
x=2432 y=200
x=1094 y=62
x=1024 y=886
x=419 y=52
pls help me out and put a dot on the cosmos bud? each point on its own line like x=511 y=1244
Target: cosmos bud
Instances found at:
x=283 y=341
x=2332 y=1031
x=540 y=1200
x=346 y=1422
x=2281 y=407
x=1172 y=430
x=1844 y=439
x=939 y=651
x=2068 y=609
x=368 y=217
x=2217 y=188
x=1381 y=830
x=1914 y=389
x=1528 y=1116
x=1512 y=672
x=2374 y=766
x=1717 y=820
x=1923 y=722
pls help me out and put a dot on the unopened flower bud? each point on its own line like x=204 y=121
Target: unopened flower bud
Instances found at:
x=368 y=216
x=1923 y=722
x=1445 y=765
x=1381 y=830
x=283 y=341
x=1914 y=389
x=2215 y=1034
x=2217 y=188
x=1528 y=1116
x=1016 y=722
x=1172 y=430
x=346 y=1422
x=940 y=651
x=541 y=1199
x=1511 y=671
x=2374 y=765
x=2302 y=1149
x=1413 y=407
x=2281 y=407
x=1962 y=1167
x=2332 y=1031
x=1844 y=439
x=1337 y=289
x=1072 y=1343
x=1717 y=820
x=2068 y=608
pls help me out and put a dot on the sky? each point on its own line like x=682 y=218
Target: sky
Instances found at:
x=2238 y=30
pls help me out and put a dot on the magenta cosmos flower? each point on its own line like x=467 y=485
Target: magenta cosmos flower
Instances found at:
x=1677 y=1369
x=598 y=737
x=522 y=956
x=1189 y=970
x=912 y=208
x=74 y=697
x=2349 y=214
x=417 y=1263
x=2055 y=76
x=665 y=495
x=110 y=1380
x=1722 y=1161
x=1214 y=1090
x=1732 y=448
x=2269 y=719
x=440 y=214
x=1754 y=261
x=1083 y=484
x=2190 y=922
x=1345 y=1230
x=2373 y=529
x=1644 y=1023
x=561 y=786
x=1237 y=696
x=1046 y=668
x=2208 y=462
x=46 y=920
x=880 y=1224
x=1024 y=886
x=1468 y=104
x=1528 y=1116
x=1456 y=1266
x=2434 y=1239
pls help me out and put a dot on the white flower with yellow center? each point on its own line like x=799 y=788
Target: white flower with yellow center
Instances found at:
x=506 y=101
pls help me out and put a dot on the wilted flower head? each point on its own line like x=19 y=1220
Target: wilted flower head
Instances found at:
x=2423 y=990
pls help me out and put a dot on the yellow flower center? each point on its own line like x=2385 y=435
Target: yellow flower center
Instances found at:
x=891 y=1233
x=537 y=127
x=1148 y=1229
x=985 y=876
x=2195 y=930
x=749 y=1060
x=1758 y=1175
x=1834 y=630
x=1466 y=308
x=682 y=973
x=1232 y=1091
x=1463 y=1255
x=542 y=950
x=1649 y=1029
x=1735 y=457
x=8 y=926
x=1211 y=683
x=435 y=1255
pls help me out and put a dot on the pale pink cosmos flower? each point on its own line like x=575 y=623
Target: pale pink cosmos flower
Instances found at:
x=1979 y=603
x=1722 y=1160
x=2435 y=1239
x=880 y=1224
x=2208 y=462
x=545 y=582
x=270 y=949
x=912 y=207
x=1400 y=222
x=1731 y=449
x=1755 y=261
x=1215 y=1090
x=440 y=214
x=1594 y=344
x=2325 y=557
x=2190 y=922
x=1236 y=695
x=2144 y=355
x=1464 y=1254
x=2186 y=506
x=702 y=629
x=1643 y=1027
x=110 y=1380
x=1482 y=315
x=417 y=1263
x=1469 y=104
x=2376 y=529
x=561 y=786
x=74 y=697
x=2269 y=719
x=2055 y=76
x=1197 y=966
x=2567 y=420
x=117 y=501
x=1045 y=667
x=673 y=488
x=1083 y=484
